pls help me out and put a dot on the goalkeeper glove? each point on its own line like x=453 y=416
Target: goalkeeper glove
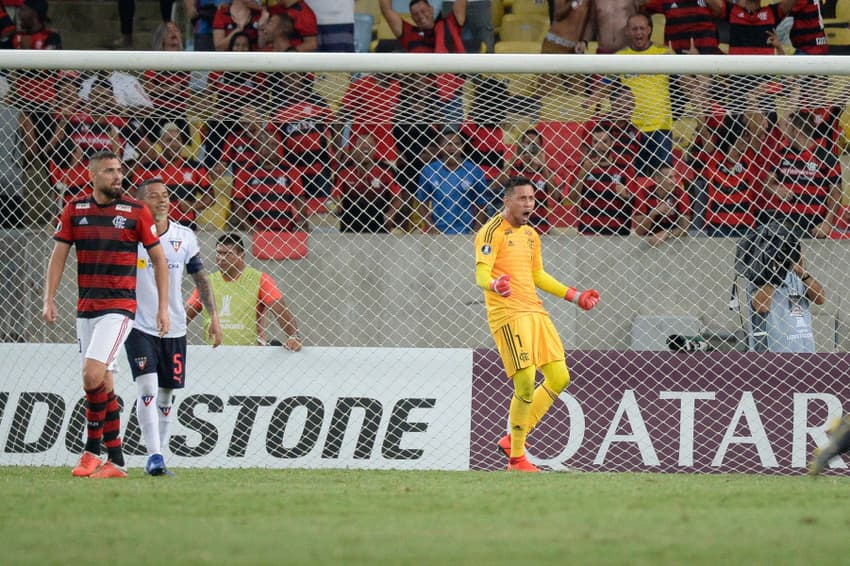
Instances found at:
x=586 y=300
x=501 y=285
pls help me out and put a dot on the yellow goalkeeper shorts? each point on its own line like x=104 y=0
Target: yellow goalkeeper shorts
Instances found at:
x=530 y=340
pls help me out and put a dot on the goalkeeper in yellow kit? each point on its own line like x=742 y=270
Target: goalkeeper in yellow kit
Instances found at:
x=509 y=267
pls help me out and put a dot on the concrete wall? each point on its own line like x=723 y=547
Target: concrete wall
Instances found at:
x=419 y=291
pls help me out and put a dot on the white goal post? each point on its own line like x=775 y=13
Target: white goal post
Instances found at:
x=651 y=171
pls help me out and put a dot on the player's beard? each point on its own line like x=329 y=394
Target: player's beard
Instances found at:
x=112 y=192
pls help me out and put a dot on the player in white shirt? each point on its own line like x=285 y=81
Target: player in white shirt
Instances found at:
x=159 y=363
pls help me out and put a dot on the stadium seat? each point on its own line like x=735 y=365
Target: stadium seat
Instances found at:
x=530 y=7
x=837 y=35
x=371 y=7
x=498 y=10
x=517 y=47
x=268 y=245
x=842 y=10
x=658 y=22
x=331 y=87
x=523 y=28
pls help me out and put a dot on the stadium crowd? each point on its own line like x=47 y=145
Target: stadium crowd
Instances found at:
x=429 y=153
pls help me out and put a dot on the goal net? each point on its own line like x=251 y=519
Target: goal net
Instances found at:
x=702 y=196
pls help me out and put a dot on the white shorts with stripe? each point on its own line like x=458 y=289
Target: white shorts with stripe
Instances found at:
x=102 y=337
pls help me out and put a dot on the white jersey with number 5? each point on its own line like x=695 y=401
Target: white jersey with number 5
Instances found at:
x=181 y=250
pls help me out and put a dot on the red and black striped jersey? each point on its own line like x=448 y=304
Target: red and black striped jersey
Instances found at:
x=303 y=128
x=268 y=197
x=224 y=21
x=107 y=239
x=686 y=20
x=807 y=33
x=810 y=174
x=729 y=187
x=827 y=121
x=304 y=21
x=748 y=31
x=601 y=208
x=239 y=150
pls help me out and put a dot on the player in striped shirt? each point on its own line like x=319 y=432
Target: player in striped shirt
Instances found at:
x=509 y=267
x=106 y=227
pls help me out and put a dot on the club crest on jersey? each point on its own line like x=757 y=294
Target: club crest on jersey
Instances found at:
x=119 y=222
x=141 y=362
x=486 y=249
x=123 y=208
x=176 y=244
x=146 y=399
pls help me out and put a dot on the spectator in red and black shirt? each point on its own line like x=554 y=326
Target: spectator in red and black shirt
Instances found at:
x=687 y=23
x=731 y=174
x=752 y=27
x=531 y=163
x=805 y=191
x=106 y=229
x=36 y=88
x=302 y=124
x=69 y=173
x=240 y=16
x=186 y=179
x=233 y=91
x=367 y=193
x=306 y=29
x=807 y=34
x=663 y=208
x=811 y=94
x=369 y=104
x=267 y=193
x=430 y=34
x=604 y=189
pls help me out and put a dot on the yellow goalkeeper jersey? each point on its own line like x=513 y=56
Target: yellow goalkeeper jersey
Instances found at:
x=516 y=252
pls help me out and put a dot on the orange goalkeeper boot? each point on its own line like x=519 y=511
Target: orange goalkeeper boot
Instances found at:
x=504 y=445
x=521 y=464
x=88 y=464
x=109 y=470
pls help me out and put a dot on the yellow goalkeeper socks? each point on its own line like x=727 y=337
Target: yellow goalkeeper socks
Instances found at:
x=521 y=409
x=556 y=378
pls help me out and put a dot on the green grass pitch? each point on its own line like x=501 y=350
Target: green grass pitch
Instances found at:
x=393 y=517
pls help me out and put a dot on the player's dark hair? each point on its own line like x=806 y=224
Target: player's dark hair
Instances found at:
x=231 y=239
x=414 y=3
x=513 y=183
x=142 y=189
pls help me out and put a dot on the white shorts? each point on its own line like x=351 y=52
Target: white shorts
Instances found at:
x=101 y=338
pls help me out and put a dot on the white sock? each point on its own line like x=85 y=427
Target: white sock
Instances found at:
x=146 y=411
x=164 y=402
